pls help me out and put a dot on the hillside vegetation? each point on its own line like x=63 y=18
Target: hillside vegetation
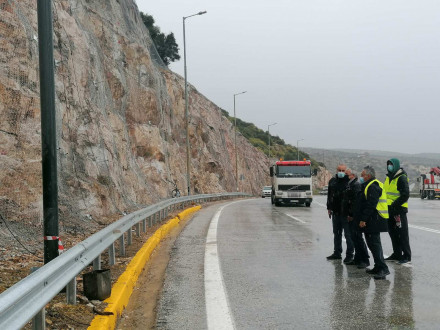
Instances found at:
x=278 y=147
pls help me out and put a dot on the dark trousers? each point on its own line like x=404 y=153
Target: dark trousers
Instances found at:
x=340 y=224
x=400 y=237
x=360 y=248
x=375 y=246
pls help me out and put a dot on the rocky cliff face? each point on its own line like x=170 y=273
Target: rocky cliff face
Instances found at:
x=120 y=117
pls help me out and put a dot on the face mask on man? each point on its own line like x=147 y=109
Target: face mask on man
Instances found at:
x=361 y=180
x=341 y=175
x=390 y=168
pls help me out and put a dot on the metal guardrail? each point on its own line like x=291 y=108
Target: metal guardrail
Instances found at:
x=26 y=299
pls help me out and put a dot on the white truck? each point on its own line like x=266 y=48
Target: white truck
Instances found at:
x=291 y=182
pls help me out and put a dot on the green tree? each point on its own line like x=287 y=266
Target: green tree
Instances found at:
x=165 y=44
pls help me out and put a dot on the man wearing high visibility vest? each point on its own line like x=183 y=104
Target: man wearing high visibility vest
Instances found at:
x=372 y=214
x=397 y=189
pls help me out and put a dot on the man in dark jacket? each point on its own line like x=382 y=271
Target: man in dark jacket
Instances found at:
x=397 y=189
x=336 y=188
x=351 y=195
x=372 y=216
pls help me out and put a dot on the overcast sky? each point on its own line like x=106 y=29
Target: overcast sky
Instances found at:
x=338 y=74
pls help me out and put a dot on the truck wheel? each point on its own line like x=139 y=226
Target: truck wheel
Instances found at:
x=277 y=203
x=308 y=204
x=422 y=195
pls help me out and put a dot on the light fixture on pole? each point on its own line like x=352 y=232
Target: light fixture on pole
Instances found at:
x=235 y=143
x=186 y=103
x=268 y=133
x=297 y=146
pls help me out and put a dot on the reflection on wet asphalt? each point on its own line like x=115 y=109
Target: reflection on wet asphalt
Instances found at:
x=277 y=277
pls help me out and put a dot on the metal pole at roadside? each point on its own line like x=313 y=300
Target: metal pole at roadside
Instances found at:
x=48 y=130
x=268 y=133
x=297 y=147
x=188 y=169
x=235 y=144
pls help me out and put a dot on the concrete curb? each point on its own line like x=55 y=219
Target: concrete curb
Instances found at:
x=123 y=288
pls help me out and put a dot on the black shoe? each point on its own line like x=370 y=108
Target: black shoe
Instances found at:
x=348 y=259
x=363 y=265
x=381 y=274
x=334 y=257
x=392 y=258
x=372 y=271
x=403 y=261
x=352 y=262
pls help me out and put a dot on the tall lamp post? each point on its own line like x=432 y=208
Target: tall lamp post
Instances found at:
x=268 y=133
x=235 y=143
x=297 y=146
x=186 y=103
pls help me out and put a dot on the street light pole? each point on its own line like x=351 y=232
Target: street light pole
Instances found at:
x=269 y=136
x=297 y=146
x=235 y=143
x=186 y=104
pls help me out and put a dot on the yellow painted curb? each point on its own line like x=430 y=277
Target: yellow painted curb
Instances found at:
x=188 y=212
x=123 y=288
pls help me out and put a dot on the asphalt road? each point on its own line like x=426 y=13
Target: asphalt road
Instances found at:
x=257 y=266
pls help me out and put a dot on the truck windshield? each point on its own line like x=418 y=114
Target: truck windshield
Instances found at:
x=293 y=171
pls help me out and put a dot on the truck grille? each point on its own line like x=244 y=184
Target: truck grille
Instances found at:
x=294 y=187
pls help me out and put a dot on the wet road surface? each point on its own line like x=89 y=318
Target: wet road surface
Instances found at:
x=264 y=267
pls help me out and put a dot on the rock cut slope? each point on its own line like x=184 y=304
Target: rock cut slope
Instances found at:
x=120 y=118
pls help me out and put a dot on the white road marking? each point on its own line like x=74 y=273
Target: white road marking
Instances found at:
x=294 y=218
x=425 y=229
x=408 y=265
x=320 y=204
x=218 y=313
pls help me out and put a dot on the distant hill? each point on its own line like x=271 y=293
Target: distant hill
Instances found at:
x=426 y=156
x=414 y=164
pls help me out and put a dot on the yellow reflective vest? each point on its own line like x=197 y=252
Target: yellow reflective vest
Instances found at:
x=382 y=206
x=391 y=190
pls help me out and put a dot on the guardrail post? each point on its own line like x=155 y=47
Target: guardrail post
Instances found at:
x=129 y=237
x=122 y=245
x=39 y=320
x=150 y=221
x=138 y=229
x=71 y=292
x=111 y=254
x=144 y=225
x=97 y=263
